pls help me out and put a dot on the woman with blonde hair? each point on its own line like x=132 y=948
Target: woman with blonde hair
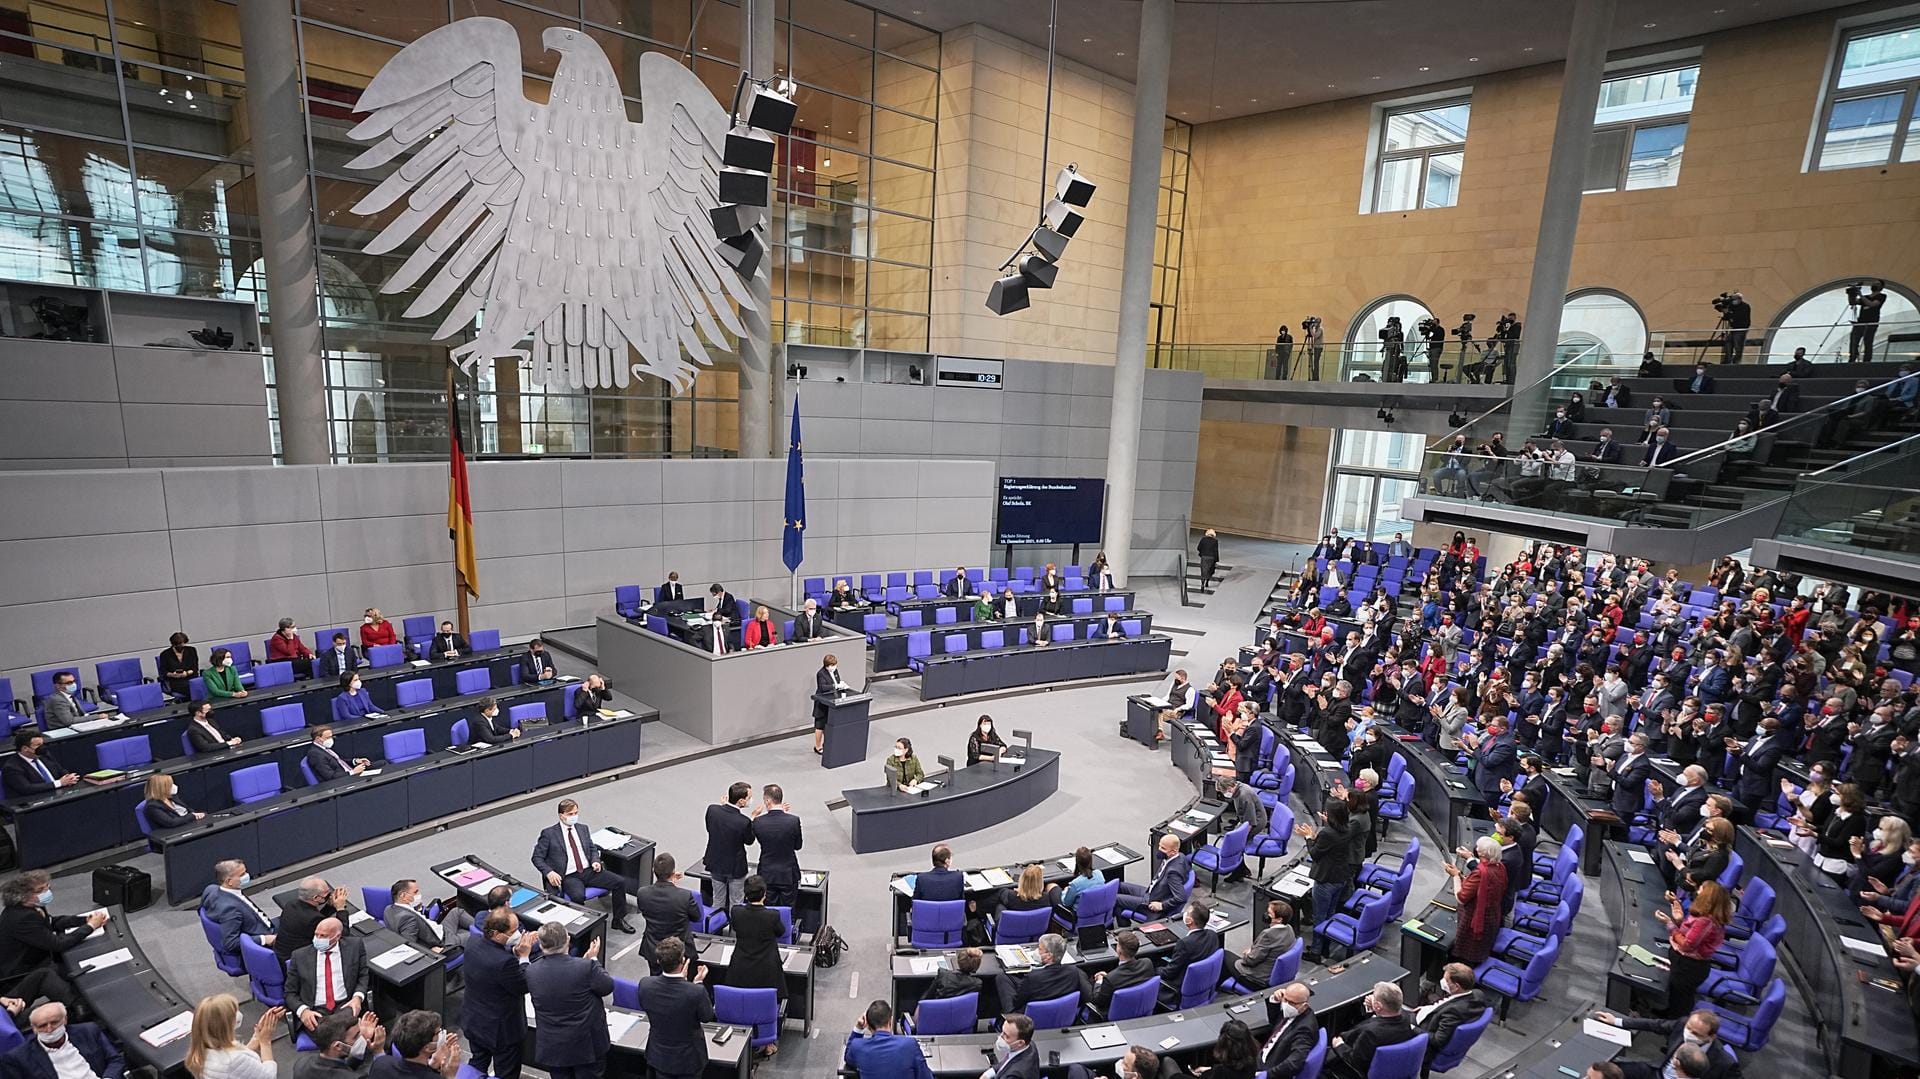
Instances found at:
x=1031 y=892
x=214 y=1050
x=160 y=808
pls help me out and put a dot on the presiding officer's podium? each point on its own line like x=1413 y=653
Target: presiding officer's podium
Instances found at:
x=846 y=734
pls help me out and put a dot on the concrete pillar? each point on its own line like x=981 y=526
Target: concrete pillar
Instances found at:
x=286 y=226
x=756 y=348
x=1136 y=280
x=1560 y=210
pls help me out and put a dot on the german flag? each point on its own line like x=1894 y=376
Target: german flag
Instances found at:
x=460 y=504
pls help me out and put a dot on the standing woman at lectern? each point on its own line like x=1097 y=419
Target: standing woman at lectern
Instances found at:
x=982 y=737
x=826 y=681
x=903 y=768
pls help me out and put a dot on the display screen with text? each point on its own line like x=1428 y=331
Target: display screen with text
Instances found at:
x=1049 y=511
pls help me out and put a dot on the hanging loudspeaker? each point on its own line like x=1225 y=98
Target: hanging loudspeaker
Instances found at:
x=1072 y=188
x=749 y=149
x=1038 y=272
x=744 y=252
x=1008 y=294
x=1060 y=218
x=1049 y=243
x=772 y=110
x=732 y=220
x=743 y=187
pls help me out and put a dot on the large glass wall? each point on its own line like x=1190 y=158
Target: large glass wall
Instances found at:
x=125 y=163
x=1372 y=472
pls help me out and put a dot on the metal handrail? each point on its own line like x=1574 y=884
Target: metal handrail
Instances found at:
x=1510 y=398
x=1911 y=441
x=1826 y=408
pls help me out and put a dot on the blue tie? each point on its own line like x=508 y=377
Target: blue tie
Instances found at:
x=44 y=774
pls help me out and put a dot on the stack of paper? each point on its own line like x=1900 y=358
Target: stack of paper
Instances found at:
x=618 y=1023
x=1606 y=1032
x=88 y=726
x=811 y=879
x=359 y=918
x=471 y=877
x=108 y=959
x=610 y=839
x=453 y=871
x=1864 y=947
x=903 y=885
x=1015 y=956
x=919 y=788
x=998 y=877
x=1013 y=760
x=928 y=964
x=1112 y=854
x=977 y=882
x=1156 y=703
x=168 y=1030
x=393 y=957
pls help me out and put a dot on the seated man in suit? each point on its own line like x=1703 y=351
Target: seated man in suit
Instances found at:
x=32 y=939
x=329 y=976
x=676 y=1004
x=942 y=882
x=325 y=763
x=958 y=587
x=536 y=665
x=315 y=901
x=1111 y=628
x=1386 y=1024
x=1296 y=1030
x=593 y=695
x=447 y=644
x=32 y=770
x=490 y=725
x=811 y=624
x=407 y=915
x=721 y=603
x=1458 y=1005
x=1131 y=970
x=1021 y=1059
x=673 y=588
x=1052 y=978
x=1169 y=887
x=62 y=1050
x=63 y=707
x=874 y=1050
x=569 y=863
x=340 y=658
x=1199 y=943
x=1700 y=1029
x=226 y=906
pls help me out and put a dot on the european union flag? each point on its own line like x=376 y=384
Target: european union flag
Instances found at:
x=792 y=550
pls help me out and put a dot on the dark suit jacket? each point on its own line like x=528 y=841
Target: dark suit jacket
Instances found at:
x=443 y=643
x=232 y=916
x=939 y=884
x=201 y=739
x=670 y=590
x=669 y=911
x=675 y=1007
x=1289 y=1054
x=1193 y=948
x=325 y=765
x=1450 y=1015
x=1659 y=453
x=22 y=778
x=550 y=850
x=778 y=834
x=497 y=729
x=568 y=1010
x=329 y=663
x=1362 y=1040
x=958 y=586
x=1169 y=887
x=161 y=817
x=1050 y=981
x=296 y=929
x=303 y=973
x=1495 y=760
x=1720 y=1061
x=756 y=949
x=1756 y=787
x=30 y=937
x=1630 y=784
x=805 y=629
x=535 y=668
x=1023 y=1065
x=729 y=831
x=30 y=1061
x=1606 y=453
x=493 y=1012
x=1131 y=972
x=1680 y=810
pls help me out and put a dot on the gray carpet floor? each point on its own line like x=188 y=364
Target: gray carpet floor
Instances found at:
x=1111 y=789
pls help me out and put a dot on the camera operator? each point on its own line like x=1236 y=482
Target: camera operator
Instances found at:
x=1313 y=338
x=1282 y=352
x=1529 y=480
x=1393 y=351
x=1507 y=332
x=1435 y=335
x=1866 y=319
x=1464 y=332
x=1738 y=315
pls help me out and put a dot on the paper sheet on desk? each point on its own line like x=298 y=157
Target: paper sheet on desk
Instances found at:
x=393 y=957
x=812 y=879
x=1156 y=703
x=615 y=713
x=928 y=964
x=920 y=787
x=118 y=956
x=371 y=772
x=1607 y=1032
x=421 y=662
x=359 y=918
x=1111 y=854
x=168 y=1030
x=608 y=839
x=453 y=871
x=1640 y=856
x=1864 y=947
x=618 y=1023
x=88 y=726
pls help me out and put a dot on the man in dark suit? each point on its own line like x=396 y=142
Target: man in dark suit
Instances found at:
x=592 y=695
x=1661 y=449
x=1679 y=811
x=536 y=665
x=31 y=939
x=777 y=831
x=1701 y=382
x=1296 y=1030
x=569 y=863
x=957 y=585
x=568 y=1008
x=873 y=1049
x=228 y=907
x=1630 y=774
x=326 y=977
x=756 y=933
x=1169 y=887
x=314 y=902
x=668 y=910
x=421 y=1049
x=32 y=770
x=1756 y=759
x=1052 y=978
x=1131 y=970
x=407 y=916
x=721 y=602
x=490 y=725
x=1495 y=758
x=1199 y=943
x=1386 y=1024
x=493 y=1009
x=339 y=658
x=676 y=1005
x=447 y=644
x=942 y=882
x=811 y=624
x=1022 y=1060
x=51 y=1052
x=672 y=589
x=1704 y=1028
x=729 y=833
x=1458 y=1005
x=325 y=764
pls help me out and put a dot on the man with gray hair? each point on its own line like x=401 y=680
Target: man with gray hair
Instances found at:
x=227 y=906
x=1385 y=1025
x=1051 y=978
x=315 y=901
x=59 y=1050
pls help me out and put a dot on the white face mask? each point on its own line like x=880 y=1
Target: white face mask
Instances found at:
x=1910 y=858
x=368 y=620
x=1879 y=835
x=570 y=819
x=1290 y=1009
x=325 y=743
x=54 y=1037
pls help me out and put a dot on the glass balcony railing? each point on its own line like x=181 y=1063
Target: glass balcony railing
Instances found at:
x=1869 y=503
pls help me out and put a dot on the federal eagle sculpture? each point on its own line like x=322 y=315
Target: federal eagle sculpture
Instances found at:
x=570 y=229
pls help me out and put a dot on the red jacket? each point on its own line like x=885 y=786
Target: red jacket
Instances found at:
x=754 y=638
x=281 y=647
x=380 y=632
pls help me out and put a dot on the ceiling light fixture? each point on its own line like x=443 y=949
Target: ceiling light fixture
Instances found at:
x=1120 y=53
x=1423 y=69
x=1527 y=49
x=1473 y=59
x=1648 y=25
x=1086 y=39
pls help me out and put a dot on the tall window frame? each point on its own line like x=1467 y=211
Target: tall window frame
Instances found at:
x=1634 y=129
x=1864 y=104
x=1389 y=162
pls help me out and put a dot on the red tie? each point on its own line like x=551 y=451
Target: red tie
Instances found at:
x=573 y=844
x=328 y=978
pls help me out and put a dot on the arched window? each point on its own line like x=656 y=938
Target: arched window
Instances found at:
x=1821 y=321
x=1604 y=318
x=1363 y=335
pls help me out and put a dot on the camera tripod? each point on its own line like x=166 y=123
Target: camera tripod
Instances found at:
x=1717 y=336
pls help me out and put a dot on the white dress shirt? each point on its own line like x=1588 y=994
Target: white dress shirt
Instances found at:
x=67 y=1061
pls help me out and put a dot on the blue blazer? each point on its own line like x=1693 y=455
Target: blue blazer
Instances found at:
x=329 y=664
x=675 y=1007
x=494 y=1012
x=888 y=1054
x=1170 y=885
x=939 y=885
x=550 y=851
x=233 y=916
x=531 y=666
x=1497 y=760
x=347 y=707
x=30 y=1061
x=568 y=1010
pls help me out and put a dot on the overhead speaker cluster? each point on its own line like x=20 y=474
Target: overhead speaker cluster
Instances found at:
x=1060 y=218
x=746 y=180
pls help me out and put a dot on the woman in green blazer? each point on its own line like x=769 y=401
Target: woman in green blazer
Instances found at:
x=903 y=768
x=222 y=681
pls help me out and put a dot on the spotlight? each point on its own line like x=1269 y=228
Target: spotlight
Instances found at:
x=1008 y=294
x=1456 y=418
x=748 y=149
x=1072 y=188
